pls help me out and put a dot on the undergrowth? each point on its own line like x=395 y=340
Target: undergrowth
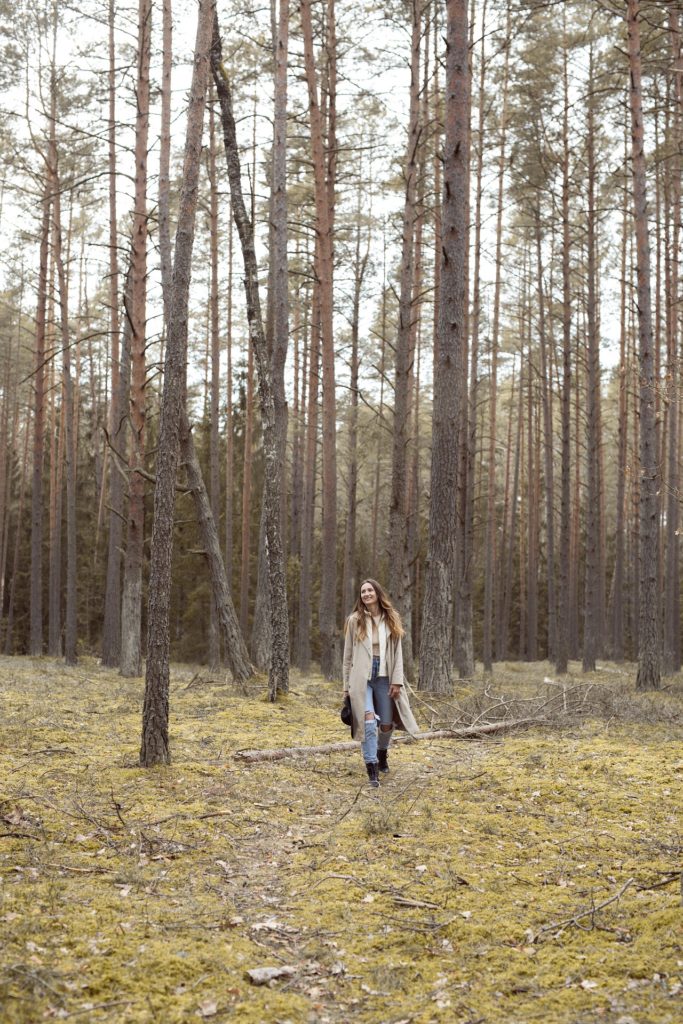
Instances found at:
x=534 y=877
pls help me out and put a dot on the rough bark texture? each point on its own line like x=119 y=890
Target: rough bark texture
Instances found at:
x=592 y=639
x=279 y=665
x=154 y=748
x=111 y=631
x=36 y=634
x=214 y=471
x=491 y=544
x=330 y=655
x=399 y=568
x=131 y=604
x=435 y=668
x=69 y=441
x=649 y=654
x=111 y=625
x=562 y=651
x=672 y=629
x=234 y=647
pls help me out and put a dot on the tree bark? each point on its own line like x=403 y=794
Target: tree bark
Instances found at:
x=324 y=186
x=672 y=628
x=131 y=605
x=593 y=584
x=155 y=741
x=279 y=665
x=36 y=631
x=234 y=647
x=111 y=625
x=491 y=544
x=435 y=667
x=399 y=568
x=649 y=652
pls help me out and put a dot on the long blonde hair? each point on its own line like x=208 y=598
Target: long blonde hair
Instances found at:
x=387 y=610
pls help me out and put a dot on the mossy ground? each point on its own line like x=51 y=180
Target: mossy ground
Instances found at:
x=138 y=895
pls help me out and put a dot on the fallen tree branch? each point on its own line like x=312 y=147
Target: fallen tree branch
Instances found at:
x=472 y=732
x=568 y=922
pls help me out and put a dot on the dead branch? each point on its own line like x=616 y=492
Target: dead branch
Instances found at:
x=568 y=922
x=472 y=732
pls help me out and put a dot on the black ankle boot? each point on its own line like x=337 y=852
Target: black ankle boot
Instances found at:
x=383 y=762
x=373 y=774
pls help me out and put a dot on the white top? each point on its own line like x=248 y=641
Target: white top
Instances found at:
x=378 y=623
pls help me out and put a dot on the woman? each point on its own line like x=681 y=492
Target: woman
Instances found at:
x=373 y=676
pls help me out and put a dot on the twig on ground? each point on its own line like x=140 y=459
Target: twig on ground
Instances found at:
x=567 y=922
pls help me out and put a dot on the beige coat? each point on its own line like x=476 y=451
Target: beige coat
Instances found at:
x=357 y=671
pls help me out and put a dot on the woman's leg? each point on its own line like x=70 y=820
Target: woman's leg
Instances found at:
x=369 y=744
x=386 y=716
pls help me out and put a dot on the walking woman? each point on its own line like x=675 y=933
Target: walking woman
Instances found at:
x=373 y=676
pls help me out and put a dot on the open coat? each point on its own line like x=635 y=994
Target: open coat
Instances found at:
x=357 y=672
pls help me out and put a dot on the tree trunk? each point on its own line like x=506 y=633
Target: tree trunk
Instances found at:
x=491 y=522
x=435 y=667
x=111 y=625
x=214 y=472
x=649 y=654
x=592 y=640
x=131 y=605
x=68 y=419
x=672 y=629
x=155 y=742
x=351 y=582
x=562 y=652
x=111 y=630
x=272 y=443
x=399 y=568
x=619 y=579
x=234 y=647
x=308 y=504
x=36 y=633
x=324 y=185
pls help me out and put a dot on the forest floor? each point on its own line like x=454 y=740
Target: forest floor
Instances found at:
x=529 y=876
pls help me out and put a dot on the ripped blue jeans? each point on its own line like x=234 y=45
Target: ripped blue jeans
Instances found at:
x=378 y=701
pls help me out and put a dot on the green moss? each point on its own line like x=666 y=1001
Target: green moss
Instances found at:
x=135 y=896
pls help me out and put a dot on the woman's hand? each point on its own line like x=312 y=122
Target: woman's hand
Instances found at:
x=394 y=691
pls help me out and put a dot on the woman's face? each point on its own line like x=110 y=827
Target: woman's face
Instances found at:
x=368 y=594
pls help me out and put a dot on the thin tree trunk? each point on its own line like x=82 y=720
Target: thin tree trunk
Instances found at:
x=649 y=652
x=9 y=633
x=272 y=443
x=155 y=742
x=592 y=640
x=672 y=628
x=622 y=444
x=229 y=439
x=111 y=625
x=435 y=662
x=308 y=505
x=234 y=647
x=324 y=186
x=491 y=523
x=68 y=420
x=131 y=605
x=214 y=472
x=36 y=599
x=399 y=568
x=351 y=583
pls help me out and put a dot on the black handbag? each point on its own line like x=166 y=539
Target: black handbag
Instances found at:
x=346 y=714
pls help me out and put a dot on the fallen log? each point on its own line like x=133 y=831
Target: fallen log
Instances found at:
x=471 y=732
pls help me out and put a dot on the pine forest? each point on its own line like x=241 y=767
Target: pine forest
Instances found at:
x=341 y=364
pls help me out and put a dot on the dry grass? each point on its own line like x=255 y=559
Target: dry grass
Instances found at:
x=473 y=887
